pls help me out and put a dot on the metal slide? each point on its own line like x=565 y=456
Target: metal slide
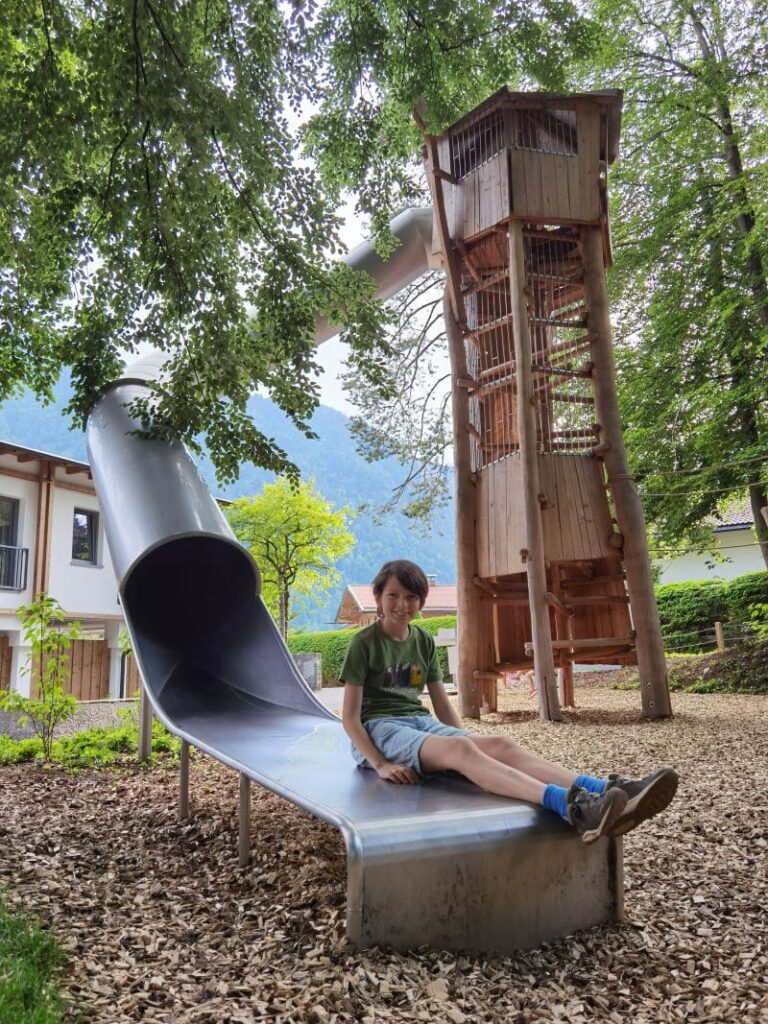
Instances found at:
x=441 y=863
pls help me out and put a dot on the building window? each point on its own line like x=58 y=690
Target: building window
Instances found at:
x=13 y=559
x=9 y=521
x=85 y=532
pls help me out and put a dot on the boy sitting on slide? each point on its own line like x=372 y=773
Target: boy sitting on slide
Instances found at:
x=386 y=668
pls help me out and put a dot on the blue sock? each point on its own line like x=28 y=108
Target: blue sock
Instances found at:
x=592 y=784
x=554 y=799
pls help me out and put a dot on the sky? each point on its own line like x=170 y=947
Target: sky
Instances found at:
x=332 y=353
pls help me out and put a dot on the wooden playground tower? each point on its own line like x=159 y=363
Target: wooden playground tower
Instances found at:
x=552 y=559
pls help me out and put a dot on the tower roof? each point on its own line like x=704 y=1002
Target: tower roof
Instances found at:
x=610 y=99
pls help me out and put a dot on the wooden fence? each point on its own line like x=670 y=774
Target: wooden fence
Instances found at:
x=88 y=671
x=131 y=677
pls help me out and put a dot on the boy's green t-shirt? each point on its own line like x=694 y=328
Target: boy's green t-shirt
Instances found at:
x=392 y=673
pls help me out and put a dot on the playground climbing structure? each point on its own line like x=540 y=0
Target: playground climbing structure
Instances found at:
x=552 y=554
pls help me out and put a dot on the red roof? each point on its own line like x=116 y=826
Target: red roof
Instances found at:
x=441 y=598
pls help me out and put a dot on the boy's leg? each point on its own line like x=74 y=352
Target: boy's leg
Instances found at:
x=461 y=754
x=592 y=815
x=504 y=750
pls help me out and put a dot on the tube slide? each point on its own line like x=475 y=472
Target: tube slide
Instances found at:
x=440 y=863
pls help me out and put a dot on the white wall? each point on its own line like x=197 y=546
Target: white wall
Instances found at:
x=738 y=547
x=80 y=588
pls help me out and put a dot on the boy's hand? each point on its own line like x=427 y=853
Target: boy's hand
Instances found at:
x=397 y=773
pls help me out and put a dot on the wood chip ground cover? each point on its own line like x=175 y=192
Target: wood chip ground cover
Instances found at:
x=161 y=926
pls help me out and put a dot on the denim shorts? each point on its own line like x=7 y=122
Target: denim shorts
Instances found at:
x=400 y=739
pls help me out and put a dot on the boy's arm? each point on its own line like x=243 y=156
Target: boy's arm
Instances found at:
x=353 y=727
x=441 y=704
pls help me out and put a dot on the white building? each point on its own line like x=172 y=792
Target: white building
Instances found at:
x=735 y=544
x=52 y=541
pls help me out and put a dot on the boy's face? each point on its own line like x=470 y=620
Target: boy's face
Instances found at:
x=398 y=605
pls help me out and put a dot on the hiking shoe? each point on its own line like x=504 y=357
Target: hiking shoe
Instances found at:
x=594 y=814
x=645 y=797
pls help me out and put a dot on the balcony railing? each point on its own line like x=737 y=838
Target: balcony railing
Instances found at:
x=13 y=567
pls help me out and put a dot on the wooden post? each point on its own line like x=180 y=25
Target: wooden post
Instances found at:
x=565 y=687
x=469 y=626
x=764 y=511
x=42 y=566
x=184 y=781
x=244 y=820
x=651 y=663
x=543 y=661
x=145 y=725
x=719 y=636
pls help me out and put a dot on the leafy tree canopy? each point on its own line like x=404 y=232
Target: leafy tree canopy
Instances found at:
x=689 y=229
x=689 y=281
x=152 y=188
x=296 y=538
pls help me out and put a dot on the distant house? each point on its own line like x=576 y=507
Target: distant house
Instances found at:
x=358 y=607
x=52 y=540
x=735 y=540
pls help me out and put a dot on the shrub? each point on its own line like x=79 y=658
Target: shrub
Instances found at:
x=49 y=670
x=19 y=751
x=687 y=609
x=432 y=626
x=745 y=592
x=91 y=748
x=331 y=645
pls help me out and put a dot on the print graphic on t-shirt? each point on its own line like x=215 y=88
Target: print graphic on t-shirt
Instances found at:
x=402 y=676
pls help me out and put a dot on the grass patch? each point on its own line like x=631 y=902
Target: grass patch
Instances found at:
x=31 y=963
x=738 y=669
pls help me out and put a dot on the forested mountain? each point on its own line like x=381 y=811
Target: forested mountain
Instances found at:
x=340 y=474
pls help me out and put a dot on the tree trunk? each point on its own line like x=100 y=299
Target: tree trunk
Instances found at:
x=283 y=614
x=652 y=667
x=744 y=212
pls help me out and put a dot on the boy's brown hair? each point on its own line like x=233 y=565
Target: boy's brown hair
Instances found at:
x=408 y=573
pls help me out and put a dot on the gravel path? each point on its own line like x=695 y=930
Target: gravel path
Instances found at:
x=162 y=927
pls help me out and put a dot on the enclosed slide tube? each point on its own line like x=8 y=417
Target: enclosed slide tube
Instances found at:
x=441 y=863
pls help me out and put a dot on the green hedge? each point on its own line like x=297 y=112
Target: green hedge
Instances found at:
x=744 y=592
x=332 y=645
x=687 y=610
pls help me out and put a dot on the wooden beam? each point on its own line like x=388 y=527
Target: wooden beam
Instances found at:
x=63 y=485
x=468 y=609
x=42 y=566
x=453 y=275
x=586 y=643
x=585 y=581
x=544 y=665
